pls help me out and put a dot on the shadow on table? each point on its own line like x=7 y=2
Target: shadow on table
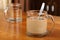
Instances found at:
x=55 y=34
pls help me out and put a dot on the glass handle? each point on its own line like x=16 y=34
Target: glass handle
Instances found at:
x=5 y=12
x=51 y=17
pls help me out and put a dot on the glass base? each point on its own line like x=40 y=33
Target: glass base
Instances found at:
x=14 y=20
x=37 y=35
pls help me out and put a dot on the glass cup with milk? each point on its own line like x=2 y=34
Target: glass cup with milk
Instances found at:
x=37 y=25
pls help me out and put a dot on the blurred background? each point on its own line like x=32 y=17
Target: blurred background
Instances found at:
x=52 y=6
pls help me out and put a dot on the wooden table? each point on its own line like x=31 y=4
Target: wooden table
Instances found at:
x=7 y=33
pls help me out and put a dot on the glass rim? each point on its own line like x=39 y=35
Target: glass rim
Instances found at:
x=17 y=4
x=35 y=11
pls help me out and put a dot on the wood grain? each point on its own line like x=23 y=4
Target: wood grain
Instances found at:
x=9 y=34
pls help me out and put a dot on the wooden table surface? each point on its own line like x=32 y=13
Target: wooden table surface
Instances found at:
x=8 y=30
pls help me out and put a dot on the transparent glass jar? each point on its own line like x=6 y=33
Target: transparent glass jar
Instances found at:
x=13 y=12
x=38 y=25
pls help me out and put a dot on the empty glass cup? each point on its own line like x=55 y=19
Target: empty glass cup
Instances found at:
x=13 y=12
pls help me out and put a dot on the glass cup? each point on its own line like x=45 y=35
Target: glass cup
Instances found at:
x=37 y=25
x=13 y=12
